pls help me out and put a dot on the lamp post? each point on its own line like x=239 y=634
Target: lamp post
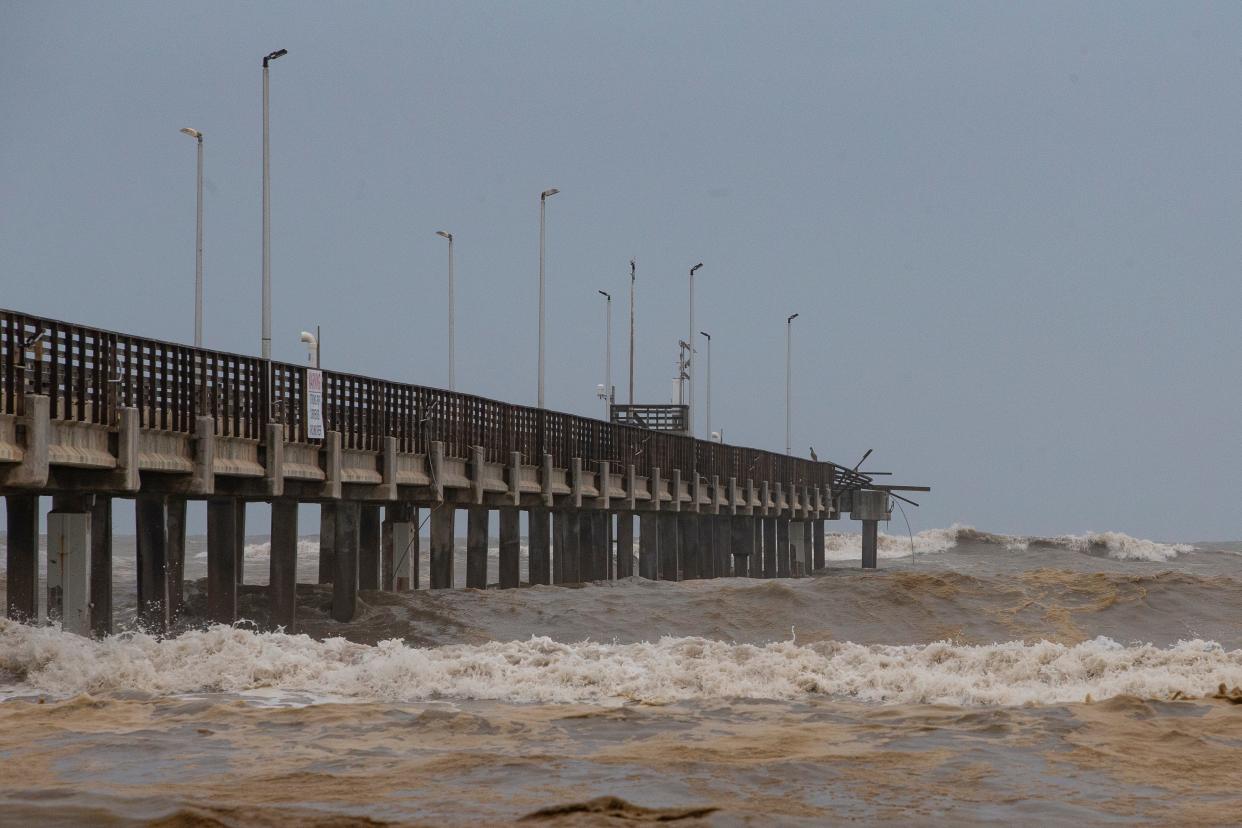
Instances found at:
x=198 y=247
x=452 y=341
x=788 y=376
x=631 y=331
x=690 y=357
x=312 y=346
x=543 y=200
x=267 y=218
x=607 y=356
x=708 y=337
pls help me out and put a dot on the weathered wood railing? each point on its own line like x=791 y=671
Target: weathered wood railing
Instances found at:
x=88 y=374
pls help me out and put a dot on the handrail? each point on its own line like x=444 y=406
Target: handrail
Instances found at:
x=88 y=373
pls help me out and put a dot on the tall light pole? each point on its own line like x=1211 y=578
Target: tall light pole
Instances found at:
x=690 y=357
x=267 y=217
x=788 y=376
x=631 y=331
x=198 y=247
x=708 y=337
x=607 y=356
x=451 y=335
x=543 y=200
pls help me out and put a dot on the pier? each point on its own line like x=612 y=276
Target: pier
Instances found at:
x=88 y=415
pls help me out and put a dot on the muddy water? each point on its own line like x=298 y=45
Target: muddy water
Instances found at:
x=1089 y=679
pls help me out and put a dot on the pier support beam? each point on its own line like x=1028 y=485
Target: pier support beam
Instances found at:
x=689 y=553
x=538 y=561
x=152 y=549
x=870 y=543
x=510 y=568
x=222 y=560
x=756 y=548
x=441 y=573
x=101 y=566
x=603 y=568
x=175 y=523
x=345 y=578
x=742 y=544
x=817 y=528
x=239 y=526
x=327 y=541
x=68 y=566
x=571 y=544
x=668 y=546
x=476 y=547
x=649 y=545
x=807 y=553
x=369 y=576
x=625 y=544
x=400 y=547
x=282 y=583
x=722 y=545
x=769 y=547
x=783 y=567
x=22 y=545
x=558 y=548
x=589 y=544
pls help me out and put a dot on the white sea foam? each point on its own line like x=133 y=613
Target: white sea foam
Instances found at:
x=1122 y=547
x=307 y=548
x=227 y=659
x=847 y=547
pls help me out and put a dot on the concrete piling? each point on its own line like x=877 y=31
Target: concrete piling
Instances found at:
x=282 y=582
x=239 y=527
x=221 y=560
x=175 y=568
x=625 y=544
x=818 y=543
x=510 y=549
x=345 y=578
x=756 y=548
x=688 y=552
x=441 y=571
x=742 y=543
x=669 y=532
x=769 y=548
x=369 y=575
x=649 y=545
x=68 y=567
x=784 y=568
x=870 y=543
x=152 y=549
x=808 y=563
x=558 y=548
x=22 y=573
x=476 y=547
x=101 y=566
x=572 y=544
x=539 y=562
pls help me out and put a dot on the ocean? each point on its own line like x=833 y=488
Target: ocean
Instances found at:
x=974 y=678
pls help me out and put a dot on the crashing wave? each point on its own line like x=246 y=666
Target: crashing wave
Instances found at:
x=540 y=670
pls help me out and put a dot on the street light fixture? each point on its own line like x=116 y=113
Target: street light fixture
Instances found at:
x=452 y=340
x=543 y=200
x=267 y=218
x=312 y=345
x=198 y=246
x=788 y=376
x=607 y=356
x=690 y=357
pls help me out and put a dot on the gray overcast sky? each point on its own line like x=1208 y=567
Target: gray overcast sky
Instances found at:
x=1011 y=230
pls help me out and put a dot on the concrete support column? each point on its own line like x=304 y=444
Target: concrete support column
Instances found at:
x=175 y=524
x=756 y=549
x=817 y=543
x=400 y=547
x=68 y=568
x=649 y=545
x=558 y=548
x=369 y=562
x=625 y=544
x=22 y=545
x=221 y=560
x=669 y=546
x=476 y=547
x=101 y=566
x=610 y=567
x=708 y=550
x=722 y=544
x=345 y=578
x=784 y=569
x=538 y=561
x=870 y=538
x=152 y=519
x=282 y=583
x=327 y=541
x=742 y=543
x=769 y=547
x=239 y=526
x=588 y=540
x=572 y=541
x=441 y=574
x=691 y=563
x=510 y=567
x=808 y=563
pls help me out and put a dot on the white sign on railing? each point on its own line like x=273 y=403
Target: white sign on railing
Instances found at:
x=314 y=404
